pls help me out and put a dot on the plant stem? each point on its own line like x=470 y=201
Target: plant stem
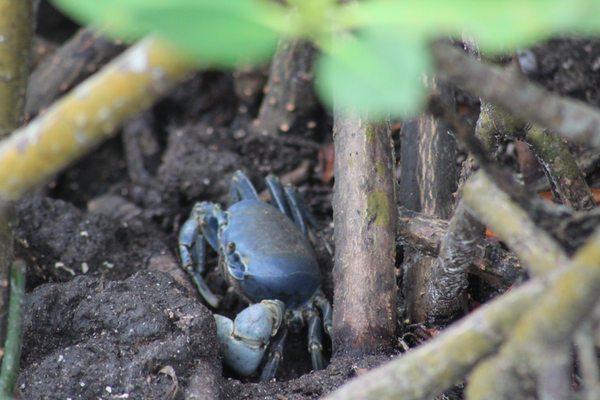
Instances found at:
x=12 y=349
x=364 y=316
x=16 y=33
x=567 y=181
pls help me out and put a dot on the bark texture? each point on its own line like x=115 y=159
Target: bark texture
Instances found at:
x=364 y=204
x=490 y=261
x=289 y=96
x=81 y=56
x=428 y=180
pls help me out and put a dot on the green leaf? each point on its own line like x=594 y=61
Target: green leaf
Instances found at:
x=496 y=25
x=376 y=73
x=219 y=32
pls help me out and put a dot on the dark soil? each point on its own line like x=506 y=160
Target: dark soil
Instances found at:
x=109 y=313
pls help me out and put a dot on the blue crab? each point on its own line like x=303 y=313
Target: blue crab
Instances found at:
x=265 y=255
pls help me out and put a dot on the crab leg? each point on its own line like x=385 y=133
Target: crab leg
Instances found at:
x=315 y=339
x=192 y=250
x=275 y=356
x=326 y=311
x=241 y=188
x=296 y=207
x=277 y=195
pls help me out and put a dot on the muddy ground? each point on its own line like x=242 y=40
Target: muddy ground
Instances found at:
x=108 y=312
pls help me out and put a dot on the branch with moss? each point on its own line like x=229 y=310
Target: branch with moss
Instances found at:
x=567 y=180
x=364 y=205
x=89 y=114
x=553 y=153
x=448 y=358
x=571 y=119
x=570 y=298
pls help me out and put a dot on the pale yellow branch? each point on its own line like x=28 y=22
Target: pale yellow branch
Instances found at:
x=573 y=293
x=534 y=246
x=88 y=115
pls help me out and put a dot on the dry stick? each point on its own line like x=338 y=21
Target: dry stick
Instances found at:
x=289 y=96
x=419 y=231
x=16 y=30
x=12 y=353
x=428 y=180
x=88 y=115
x=569 y=118
x=496 y=266
x=364 y=317
x=448 y=279
x=81 y=56
x=550 y=323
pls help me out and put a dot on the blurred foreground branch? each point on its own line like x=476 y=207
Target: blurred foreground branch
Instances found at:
x=571 y=296
x=88 y=115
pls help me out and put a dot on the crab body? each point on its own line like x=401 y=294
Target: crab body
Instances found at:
x=266 y=256
x=271 y=259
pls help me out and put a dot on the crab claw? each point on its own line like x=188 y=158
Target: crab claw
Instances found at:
x=244 y=341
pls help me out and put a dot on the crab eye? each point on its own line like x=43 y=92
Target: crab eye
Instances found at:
x=236 y=267
x=230 y=247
